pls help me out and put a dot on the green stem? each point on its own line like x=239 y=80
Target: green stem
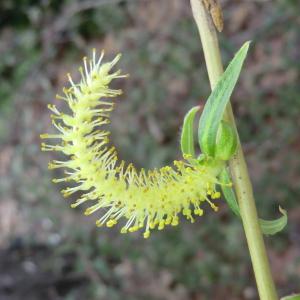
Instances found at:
x=238 y=166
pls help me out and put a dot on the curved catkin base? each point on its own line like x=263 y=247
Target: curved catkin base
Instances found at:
x=146 y=199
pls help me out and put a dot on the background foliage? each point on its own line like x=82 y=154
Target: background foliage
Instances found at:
x=49 y=251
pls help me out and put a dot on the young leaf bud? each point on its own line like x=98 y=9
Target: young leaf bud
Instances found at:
x=226 y=142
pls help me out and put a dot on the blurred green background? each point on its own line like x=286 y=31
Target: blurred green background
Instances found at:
x=49 y=251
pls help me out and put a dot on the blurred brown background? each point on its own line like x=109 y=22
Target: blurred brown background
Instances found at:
x=49 y=251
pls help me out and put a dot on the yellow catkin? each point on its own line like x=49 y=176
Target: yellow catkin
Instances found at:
x=144 y=199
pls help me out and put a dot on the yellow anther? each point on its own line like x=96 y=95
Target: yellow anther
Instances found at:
x=175 y=221
x=123 y=230
x=133 y=229
x=214 y=207
x=187 y=156
x=87 y=212
x=216 y=195
x=110 y=223
x=152 y=225
x=161 y=225
x=168 y=220
x=99 y=223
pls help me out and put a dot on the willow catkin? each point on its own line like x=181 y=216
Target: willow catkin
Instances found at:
x=116 y=190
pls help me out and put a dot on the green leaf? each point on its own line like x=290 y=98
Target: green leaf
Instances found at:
x=229 y=193
x=271 y=227
x=291 y=297
x=187 y=134
x=268 y=227
x=217 y=101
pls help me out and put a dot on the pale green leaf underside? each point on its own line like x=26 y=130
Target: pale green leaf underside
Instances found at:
x=271 y=227
x=187 y=137
x=229 y=193
x=268 y=227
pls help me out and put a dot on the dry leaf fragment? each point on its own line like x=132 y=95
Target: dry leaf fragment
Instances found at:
x=215 y=10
